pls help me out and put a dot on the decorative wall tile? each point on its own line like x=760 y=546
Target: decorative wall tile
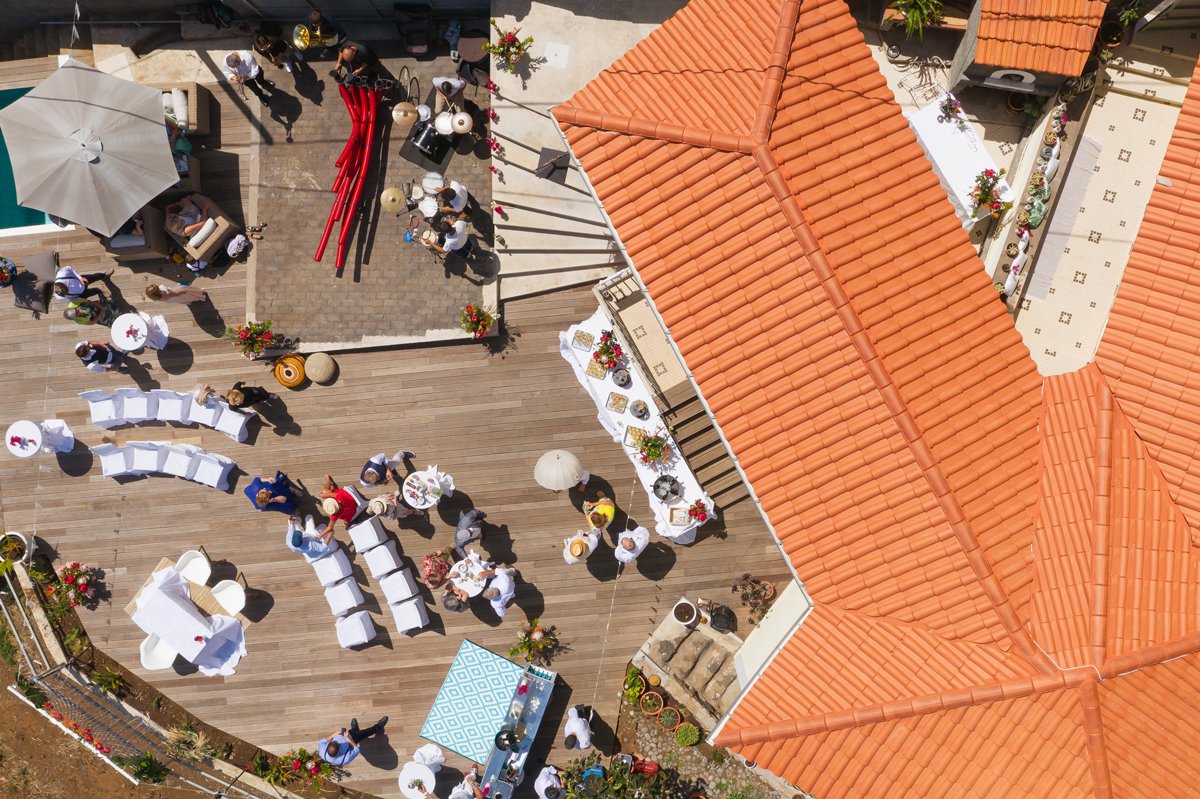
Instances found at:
x=1109 y=195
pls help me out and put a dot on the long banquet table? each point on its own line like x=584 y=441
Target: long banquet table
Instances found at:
x=618 y=422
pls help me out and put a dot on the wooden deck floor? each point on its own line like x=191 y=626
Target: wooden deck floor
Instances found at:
x=483 y=419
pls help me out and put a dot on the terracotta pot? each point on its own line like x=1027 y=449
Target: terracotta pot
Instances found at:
x=1111 y=33
x=766 y=590
x=656 y=699
x=1015 y=103
x=673 y=714
x=637 y=680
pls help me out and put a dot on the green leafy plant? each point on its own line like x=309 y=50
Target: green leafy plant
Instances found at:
x=615 y=784
x=918 y=15
x=8 y=649
x=985 y=194
x=687 y=734
x=634 y=685
x=1129 y=13
x=302 y=764
x=717 y=756
x=669 y=718
x=31 y=691
x=755 y=594
x=110 y=682
x=144 y=768
x=476 y=320
x=259 y=765
x=651 y=703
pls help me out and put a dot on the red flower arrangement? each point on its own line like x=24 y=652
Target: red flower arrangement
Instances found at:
x=252 y=338
x=78 y=585
x=609 y=352
x=985 y=196
x=476 y=320
x=508 y=49
x=491 y=86
x=698 y=511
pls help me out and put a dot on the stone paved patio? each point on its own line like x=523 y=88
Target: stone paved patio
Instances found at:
x=389 y=291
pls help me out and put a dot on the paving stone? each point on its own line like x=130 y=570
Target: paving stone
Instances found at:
x=388 y=288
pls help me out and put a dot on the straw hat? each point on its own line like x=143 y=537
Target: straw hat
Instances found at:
x=330 y=505
x=577 y=548
x=378 y=506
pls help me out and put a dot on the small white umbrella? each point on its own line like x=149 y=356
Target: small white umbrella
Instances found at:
x=88 y=147
x=558 y=469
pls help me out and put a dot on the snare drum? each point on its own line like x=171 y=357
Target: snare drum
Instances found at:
x=423 y=136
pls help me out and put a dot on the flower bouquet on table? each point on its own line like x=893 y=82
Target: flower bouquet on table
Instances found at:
x=477 y=320
x=951 y=110
x=535 y=644
x=252 y=338
x=609 y=353
x=985 y=196
x=509 y=47
x=655 y=449
x=699 y=512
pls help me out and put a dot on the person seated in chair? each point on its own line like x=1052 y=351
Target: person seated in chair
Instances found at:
x=276 y=495
x=453 y=197
x=185 y=218
x=454 y=599
x=449 y=92
x=452 y=238
x=356 y=59
x=339 y=503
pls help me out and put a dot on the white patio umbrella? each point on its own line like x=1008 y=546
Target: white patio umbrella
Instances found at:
x=557 y=469
x=88 y=147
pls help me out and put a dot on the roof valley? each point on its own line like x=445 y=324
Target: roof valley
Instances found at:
x=903 y=417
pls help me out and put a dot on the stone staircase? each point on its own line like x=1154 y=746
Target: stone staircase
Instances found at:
x=41 y=41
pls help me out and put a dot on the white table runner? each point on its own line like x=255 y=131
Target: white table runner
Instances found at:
x=165 y=609
x=617 y=423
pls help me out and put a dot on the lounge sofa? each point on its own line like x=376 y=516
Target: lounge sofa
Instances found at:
x=203 y=248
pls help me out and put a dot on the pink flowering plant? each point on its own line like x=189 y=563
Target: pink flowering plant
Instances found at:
x=985 y=196
x=476 y=320
x=252 y=338
x=509 y=48
x=77 y=585
x=305 y=765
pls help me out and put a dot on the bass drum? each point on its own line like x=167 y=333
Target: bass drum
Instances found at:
x=423 y=136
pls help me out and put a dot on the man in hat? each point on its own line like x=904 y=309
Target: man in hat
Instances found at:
x=630 y=544
x=339 y=503
x=578 y=547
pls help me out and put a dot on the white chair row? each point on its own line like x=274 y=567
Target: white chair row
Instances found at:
x=341 y=592
x=133 y=406
x=379 y=552
x=160 y=457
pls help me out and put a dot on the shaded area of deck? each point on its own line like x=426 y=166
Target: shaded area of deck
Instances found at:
x=484 y=419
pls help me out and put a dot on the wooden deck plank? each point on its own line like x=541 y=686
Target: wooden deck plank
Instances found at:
x=485 y=420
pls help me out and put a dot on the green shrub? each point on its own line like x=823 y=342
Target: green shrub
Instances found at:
x=687 y=735
x=110 y=682
x=144 y=769
x=31 y=691
x=8 y=649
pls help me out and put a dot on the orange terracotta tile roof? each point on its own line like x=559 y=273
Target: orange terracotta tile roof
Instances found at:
x=980 y=544
x=1052 y=36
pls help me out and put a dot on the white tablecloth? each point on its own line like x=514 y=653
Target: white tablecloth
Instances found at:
x=616 y=424
x=957 y=155
x=165 y=608
x=129 y=332
x=425 y=488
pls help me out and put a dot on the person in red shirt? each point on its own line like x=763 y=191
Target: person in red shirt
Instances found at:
x=338 y=503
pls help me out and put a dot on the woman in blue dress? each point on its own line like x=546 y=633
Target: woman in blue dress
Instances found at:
x=272 y=495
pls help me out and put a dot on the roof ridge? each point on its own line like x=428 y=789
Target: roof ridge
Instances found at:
x=1101 y=514
x=901 y=415
x=649 y=129
x=785 y=39
x=903 y=708
x=1093 y=729
x=1150 y=655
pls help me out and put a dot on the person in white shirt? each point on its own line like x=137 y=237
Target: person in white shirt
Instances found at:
x=578 y=547
x=548 y=785
x=500 y=589
x=241 y=67
x=453 y=239
x=454 y=197
x=578 y=729
x=449 y=92
x=630 y=544
x=70 y=285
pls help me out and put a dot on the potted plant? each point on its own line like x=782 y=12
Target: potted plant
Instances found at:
x=917 y=14
x=651 y=703
x=1011 y=249
x=669 y=718
x=685 y=613
x=476 y=320
x=14 y=548
x=985 y=196
x=687 y=734
x=951 y=110
x=1022 y=218
x=509 y=47
x=608 y=353
x=755 y=594
x=1015 y=102
x=634 y=685
x=252 y=338
x=1050 y=137
x=1111 y=32
x=1036 y=181
x=535 y=644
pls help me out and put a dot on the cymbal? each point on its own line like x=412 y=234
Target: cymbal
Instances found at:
x=392 y=199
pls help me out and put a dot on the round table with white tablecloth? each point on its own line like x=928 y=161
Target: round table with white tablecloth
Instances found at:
x=465 y=575
x=24 y=438
x=413 y=772
x=129 y=332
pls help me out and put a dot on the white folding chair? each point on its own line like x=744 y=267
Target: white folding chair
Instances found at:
x=205 y=414
x=430 y=755
x=157 y=331
x=343 y=597
x=105 y=408
x=410 y=615
x=232 y=423
x=399 y=586
x=382 y=559
x=147 y=457
x=172 y=406
x=332 y=569
x=230 y=595
x=212 y=470
x=181 y=461
x=114 y=461
x=194 y=567
x=137 y=406
x=368 y=533
x=355 y=629
x=156 y=653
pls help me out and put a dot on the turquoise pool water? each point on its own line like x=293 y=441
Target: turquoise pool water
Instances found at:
x=11 y=214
